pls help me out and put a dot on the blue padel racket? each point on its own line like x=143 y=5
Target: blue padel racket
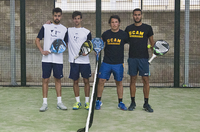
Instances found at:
x=160 y=48
x=58 y=46
x=98 y=45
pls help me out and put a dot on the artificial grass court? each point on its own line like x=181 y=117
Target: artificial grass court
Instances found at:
x=175 y=110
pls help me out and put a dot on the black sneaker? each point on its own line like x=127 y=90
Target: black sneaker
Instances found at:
x=132 y=106
x=147 y=108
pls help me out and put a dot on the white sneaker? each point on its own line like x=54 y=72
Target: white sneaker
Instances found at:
x=44 y=108
x=61 y=106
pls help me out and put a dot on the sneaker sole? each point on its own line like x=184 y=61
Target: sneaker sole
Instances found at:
x=100 y=106
x=97 y=109
x=86 y=108
x=76 y=108
x=43 y=110
x=131 y=109
x=122 y=109
x=147 y=110
x=61 y=108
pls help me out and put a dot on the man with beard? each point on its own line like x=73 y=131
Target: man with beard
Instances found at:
x=76 y=36
x=139 y=34
x=50 y=62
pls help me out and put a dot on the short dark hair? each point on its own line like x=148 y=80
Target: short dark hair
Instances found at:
x=76 y=13
x=137 y=9
x=57 y=10
x=114 y=16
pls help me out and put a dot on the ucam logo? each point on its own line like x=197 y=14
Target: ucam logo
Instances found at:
x=136 y=34
x=113 y=41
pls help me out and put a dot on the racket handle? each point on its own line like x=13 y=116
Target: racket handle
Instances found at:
x=153 y=56
x=97 y=56
x=76 y=57
x=49 y=51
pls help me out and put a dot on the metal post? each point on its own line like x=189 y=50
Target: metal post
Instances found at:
x=98 y=18
x=187 y=35
x=23 y=42
x=98 y=25
x=12 y=43
x=177 y=44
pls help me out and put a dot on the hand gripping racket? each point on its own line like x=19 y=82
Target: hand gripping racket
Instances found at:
x=160 y=48
x=86 y=48
x=58 y=46
x=98 y=45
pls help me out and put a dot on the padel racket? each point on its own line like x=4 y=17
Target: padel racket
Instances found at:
x=86 y=48
x=161 y=47
x=58 y=46
x=98 y=45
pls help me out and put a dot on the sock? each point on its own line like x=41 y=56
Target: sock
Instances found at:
x=120 y=100
x=77 y=99
x=59 y=100
x=44 y=100
x=99 y=98
x=133 y=99
x=146 y=100
x=87 y=99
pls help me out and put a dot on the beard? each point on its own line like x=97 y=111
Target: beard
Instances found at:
x=138 y=21
x=77 y=23
x=56 y=21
